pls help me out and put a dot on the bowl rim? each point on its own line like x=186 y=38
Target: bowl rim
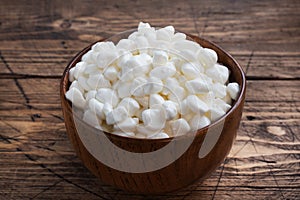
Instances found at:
x=64 y=82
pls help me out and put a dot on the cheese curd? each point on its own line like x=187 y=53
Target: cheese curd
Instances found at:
x=154 y=84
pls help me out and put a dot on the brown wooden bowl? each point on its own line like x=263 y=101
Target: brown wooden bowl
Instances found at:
x=189 y=167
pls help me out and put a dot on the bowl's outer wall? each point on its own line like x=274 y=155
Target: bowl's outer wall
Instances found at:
x=185 y=170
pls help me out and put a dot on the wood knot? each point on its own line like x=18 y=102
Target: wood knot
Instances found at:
x=66 y=24
x=276 y=130
x=249 y=117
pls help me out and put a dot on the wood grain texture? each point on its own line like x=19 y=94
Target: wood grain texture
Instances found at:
x=39 y=38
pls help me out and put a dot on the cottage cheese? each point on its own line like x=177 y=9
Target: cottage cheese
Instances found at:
x=154 y=84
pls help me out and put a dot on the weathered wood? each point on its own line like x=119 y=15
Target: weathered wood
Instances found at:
x=38 y=39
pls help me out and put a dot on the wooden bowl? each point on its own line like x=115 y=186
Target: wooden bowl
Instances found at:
x=208 y=149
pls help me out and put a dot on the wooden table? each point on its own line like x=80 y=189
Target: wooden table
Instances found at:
x=38 y=39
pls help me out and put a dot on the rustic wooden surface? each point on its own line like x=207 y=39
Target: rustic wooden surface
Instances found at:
x=38 y=39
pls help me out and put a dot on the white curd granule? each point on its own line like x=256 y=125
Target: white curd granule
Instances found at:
x=153 y=84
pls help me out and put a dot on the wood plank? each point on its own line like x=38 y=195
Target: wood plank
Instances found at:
x=275 y=23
